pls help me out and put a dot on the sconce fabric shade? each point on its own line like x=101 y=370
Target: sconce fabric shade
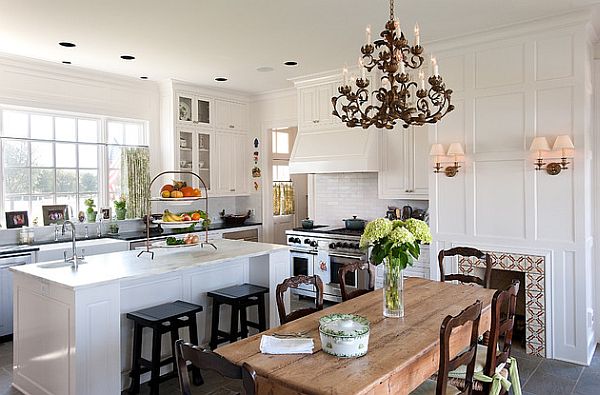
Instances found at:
x=437 y=150
x=539 y=144
x=563 y=142
x=456 y=149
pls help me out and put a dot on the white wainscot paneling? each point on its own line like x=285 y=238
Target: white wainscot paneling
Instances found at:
x=451 y=204
x=453 y=71
x=566 y=306
x=548 y=64
x=453 y=128
x=499 y=66
x=555 y=211
x=500 y=199
x=554 y=112
x=499 y=123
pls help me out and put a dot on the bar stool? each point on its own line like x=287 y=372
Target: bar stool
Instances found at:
x=239 y=297
x=161 y=319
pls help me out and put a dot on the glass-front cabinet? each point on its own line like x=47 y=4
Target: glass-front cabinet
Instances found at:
x=193 y=110
x=194 y=154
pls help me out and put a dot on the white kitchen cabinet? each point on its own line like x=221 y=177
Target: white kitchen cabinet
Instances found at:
x=6 y=300
x=194 y=154
x=193 y=109
x=231 y=115
x=232 y=176
x=314 y=106
x=404 y=164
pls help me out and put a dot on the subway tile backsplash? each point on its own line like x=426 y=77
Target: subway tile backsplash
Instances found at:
x=338 y=196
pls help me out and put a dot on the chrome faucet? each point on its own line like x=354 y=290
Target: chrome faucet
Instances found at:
x=74 y=258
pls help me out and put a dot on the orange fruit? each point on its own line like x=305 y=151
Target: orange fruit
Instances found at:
x=187 y=191
x=197 y=192
x=195 y=216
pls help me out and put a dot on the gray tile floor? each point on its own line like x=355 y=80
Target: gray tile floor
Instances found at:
x=538 y=377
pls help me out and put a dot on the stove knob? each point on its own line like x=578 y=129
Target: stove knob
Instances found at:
x=291 y=239
x=332 y=246
x=314 y=243
x=356 y=246
x=338 y=244
x=296 y=240
x=306 y=241
x=345 y=245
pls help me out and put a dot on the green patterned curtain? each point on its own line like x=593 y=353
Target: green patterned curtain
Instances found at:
x=135 y=179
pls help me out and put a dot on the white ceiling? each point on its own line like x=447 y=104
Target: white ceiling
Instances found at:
x=198 y=40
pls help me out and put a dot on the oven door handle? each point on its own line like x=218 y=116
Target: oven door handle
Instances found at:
x=348 y=256
x=303 y=252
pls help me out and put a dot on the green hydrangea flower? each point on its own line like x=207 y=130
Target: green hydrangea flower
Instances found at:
x=419 y=229
x=375 y=230
x=401 y=235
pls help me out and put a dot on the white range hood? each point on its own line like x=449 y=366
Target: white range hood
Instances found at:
x=335 y=151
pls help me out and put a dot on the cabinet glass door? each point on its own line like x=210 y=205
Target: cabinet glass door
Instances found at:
x=185 y=109
x=203 y=109
x=186 y=154
x=203 y=164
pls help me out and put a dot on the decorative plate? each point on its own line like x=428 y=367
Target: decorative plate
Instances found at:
x=163 y=244
x=184 y=112
x=178 y=224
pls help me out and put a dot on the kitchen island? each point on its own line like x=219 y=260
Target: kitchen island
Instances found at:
x=70 y=331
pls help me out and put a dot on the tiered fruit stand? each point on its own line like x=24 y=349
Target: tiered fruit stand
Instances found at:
x=204 y=196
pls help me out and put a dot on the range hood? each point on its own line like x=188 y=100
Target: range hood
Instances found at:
x=338 y=150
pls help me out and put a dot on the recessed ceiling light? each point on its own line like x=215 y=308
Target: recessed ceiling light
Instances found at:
x=220 y=79
x=265 y=69
x=290 y=63
x=66 y=44
x=127 y=57
x=66 y=62
x=144 y=78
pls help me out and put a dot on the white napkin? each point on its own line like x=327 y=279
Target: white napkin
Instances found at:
x=274 y=345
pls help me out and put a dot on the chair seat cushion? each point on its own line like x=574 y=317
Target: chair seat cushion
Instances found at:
x=461 y=371
x=428 y=388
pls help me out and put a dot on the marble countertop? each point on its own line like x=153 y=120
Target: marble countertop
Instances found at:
x=106 y=268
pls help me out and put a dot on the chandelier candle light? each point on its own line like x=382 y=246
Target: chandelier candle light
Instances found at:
x=399 y=97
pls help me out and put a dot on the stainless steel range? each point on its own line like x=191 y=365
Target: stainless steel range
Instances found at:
x=323 y=251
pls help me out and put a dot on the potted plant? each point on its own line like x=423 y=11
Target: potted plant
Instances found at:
x=121 y=207
x=397 y=244
x=90 y=212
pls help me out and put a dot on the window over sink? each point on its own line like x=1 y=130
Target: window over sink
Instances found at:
x=62 y=158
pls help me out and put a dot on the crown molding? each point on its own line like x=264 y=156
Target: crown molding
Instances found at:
x=274 y=94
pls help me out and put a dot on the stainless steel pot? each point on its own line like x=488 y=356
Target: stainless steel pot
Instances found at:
x=355 y=223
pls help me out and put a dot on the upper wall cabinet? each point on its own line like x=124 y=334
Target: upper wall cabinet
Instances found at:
x=404 y=164
x=314 y=106
x=231 y=115
x=193 y=109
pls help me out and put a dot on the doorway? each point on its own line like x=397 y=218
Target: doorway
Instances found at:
x=289 y=192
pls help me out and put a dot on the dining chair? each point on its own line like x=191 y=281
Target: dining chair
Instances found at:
x=494 y=364
x=466 y=358
x=348 y=294
x=294 y=282
x=465 y=278
x=208 y=360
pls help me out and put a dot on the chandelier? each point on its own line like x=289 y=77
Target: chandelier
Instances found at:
x=399 y=96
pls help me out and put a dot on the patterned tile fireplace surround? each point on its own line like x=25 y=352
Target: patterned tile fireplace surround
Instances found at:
x=535 y=307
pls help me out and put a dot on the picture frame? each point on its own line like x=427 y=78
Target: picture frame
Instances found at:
x=106 y=213
x=55 y=214
x=16 y=219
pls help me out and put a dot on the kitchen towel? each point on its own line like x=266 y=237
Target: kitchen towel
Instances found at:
x=274 y=345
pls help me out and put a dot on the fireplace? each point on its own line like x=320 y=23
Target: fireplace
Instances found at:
x=529 y=268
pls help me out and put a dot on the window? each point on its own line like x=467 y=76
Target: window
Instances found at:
x=62 y=159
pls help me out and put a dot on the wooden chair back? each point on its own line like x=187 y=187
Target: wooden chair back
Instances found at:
x=465 y=278
x=208 y=360
x=504 y=306
x=467 y=357
x=347 y=294
x=294 y=282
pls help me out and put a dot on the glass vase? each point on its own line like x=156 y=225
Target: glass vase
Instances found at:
x=393 y=290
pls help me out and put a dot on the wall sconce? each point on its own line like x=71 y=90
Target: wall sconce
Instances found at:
x=562 y=143
x=455 y=150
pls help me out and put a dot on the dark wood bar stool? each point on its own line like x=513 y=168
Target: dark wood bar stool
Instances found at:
x=161 y=319
x=239 y=297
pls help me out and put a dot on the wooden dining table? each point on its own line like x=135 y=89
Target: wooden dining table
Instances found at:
x=403 y=352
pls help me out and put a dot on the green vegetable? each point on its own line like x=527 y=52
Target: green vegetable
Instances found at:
x=171 y=241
